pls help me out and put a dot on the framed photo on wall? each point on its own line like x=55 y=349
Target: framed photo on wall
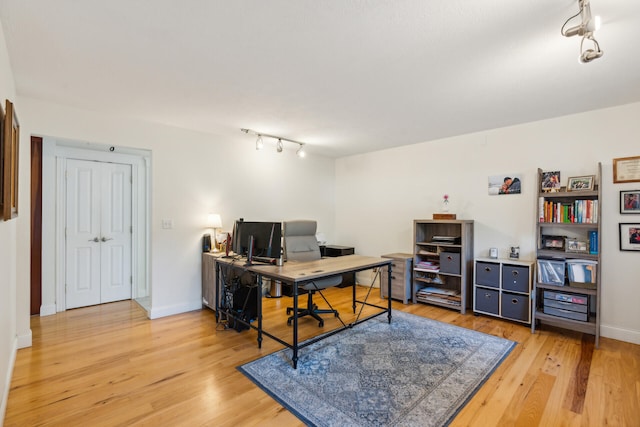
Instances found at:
x=509 y=183
x=629 y=236
x=581 y=183
x=11 y=142
x=626 y=169
x=630 y=202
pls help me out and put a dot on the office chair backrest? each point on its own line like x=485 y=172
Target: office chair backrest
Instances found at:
x=300 y=243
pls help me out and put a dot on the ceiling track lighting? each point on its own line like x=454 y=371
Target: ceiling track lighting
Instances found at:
x=279 y=145
x=588 y=25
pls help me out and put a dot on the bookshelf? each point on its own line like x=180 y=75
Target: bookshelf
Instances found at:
x=567 y=286
x=443 y=262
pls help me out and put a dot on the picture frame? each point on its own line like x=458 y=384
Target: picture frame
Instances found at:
x=2 y=162
x=629 y=236
x=576 y=246
x=10 y=161
x=581 y=183
x=504 y=184
x=555 y=243
x=626 y=169
x=630 y=202
x=550 y=182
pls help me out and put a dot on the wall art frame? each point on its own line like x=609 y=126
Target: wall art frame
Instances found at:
x=629 y=236
x=630 y=202
x=626 y=169
x=10 y=161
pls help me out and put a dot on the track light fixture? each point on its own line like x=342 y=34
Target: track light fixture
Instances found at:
x=279 y=145
x=586 y=28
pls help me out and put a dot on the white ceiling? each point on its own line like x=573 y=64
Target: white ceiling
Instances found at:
x=344 y=76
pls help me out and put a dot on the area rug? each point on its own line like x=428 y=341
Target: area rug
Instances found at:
x=412 y=372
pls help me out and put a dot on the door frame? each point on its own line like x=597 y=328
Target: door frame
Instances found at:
x=140 y=161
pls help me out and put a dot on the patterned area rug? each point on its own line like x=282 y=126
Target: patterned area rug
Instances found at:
x=412 y=372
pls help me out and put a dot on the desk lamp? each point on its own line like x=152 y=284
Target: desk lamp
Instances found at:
x=214 y=221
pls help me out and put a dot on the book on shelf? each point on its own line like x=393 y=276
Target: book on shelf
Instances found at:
x=578 y=211
x=439 y=295
x=593 y=242
x=428 y=265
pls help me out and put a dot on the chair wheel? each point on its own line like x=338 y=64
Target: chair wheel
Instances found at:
x=288 y=322
x=335 y=314
x=289 y=310
x=321 y=323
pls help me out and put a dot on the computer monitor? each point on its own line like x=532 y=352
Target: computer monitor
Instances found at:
x=267 y=238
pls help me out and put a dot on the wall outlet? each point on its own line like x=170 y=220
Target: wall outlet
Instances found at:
x=167 y=224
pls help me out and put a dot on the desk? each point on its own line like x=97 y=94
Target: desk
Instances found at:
x=298 y=273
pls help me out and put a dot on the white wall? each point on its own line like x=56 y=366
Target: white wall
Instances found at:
x=192 y=174
x=8 y=252
x=379 y=194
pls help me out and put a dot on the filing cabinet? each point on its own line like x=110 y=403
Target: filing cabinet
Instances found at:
x=502 y=288
x=401 y=268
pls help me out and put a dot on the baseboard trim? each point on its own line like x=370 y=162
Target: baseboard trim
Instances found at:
x=25 y=340
x=620 y=334
x=170 y=310
x=7 y=383
x=47 y=310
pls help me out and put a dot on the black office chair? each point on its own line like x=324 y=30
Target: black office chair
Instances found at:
x=300 y=244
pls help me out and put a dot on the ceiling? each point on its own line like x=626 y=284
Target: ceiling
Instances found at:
x=344 y=76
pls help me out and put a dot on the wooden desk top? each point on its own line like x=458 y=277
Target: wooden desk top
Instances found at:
x=297 y=271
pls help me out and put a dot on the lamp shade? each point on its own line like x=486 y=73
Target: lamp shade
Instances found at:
x=214 y=221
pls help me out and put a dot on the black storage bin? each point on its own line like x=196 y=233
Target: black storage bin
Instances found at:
x=488 y=301
x=488 y=274
x=515 y=306
x=450 y=262
x=515 y=278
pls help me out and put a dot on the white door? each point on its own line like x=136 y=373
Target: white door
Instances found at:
x=98 y=233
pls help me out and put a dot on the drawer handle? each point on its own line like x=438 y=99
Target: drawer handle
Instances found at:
x=514 y=272
x=449 y=258
x=487 y=269
x=514 y=301
x=487 y=295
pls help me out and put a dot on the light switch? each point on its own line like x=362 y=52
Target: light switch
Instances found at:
x=167 y=223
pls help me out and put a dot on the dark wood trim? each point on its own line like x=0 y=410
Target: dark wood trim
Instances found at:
x=36 y=224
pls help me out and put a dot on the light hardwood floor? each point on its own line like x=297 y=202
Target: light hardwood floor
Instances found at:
x=109 y=365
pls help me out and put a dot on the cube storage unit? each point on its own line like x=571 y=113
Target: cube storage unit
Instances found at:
x=503 y=288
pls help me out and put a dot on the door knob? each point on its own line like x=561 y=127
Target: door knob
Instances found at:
x=95 y=239
x=104 y=239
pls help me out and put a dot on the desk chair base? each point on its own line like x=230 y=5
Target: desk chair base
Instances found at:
x=311 y=310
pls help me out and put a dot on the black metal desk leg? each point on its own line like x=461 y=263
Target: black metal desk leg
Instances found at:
x=216 y=304
x=389 y=292
x=294 y=359
x=259 y=309
x=353 y=295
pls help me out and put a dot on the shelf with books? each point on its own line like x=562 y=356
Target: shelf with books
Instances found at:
x=569 y=266
x=442 y=265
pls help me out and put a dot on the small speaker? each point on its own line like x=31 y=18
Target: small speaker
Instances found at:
x=206 y=243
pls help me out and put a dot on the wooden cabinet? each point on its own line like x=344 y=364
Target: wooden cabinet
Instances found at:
x=567 y=288
x=443 y=262
x=400 y=277
x=209 y=280
x=502 y=288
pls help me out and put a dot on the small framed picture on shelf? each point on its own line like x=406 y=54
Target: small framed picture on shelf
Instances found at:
x=576 y=246
x=629 y=236
x=553 y=242
x=630 y=202
x=550 y=181
x=581 y=183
